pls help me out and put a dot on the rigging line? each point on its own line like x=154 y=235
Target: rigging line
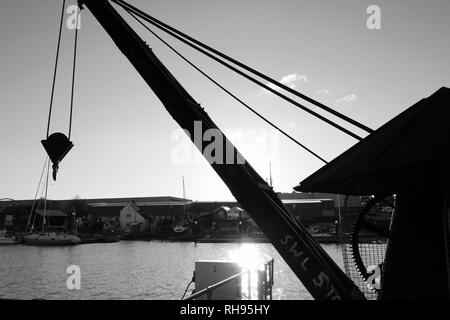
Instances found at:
x=38 y=206
x=36 y=194
x=227 y=91
x=337 y=126
x=56 y=67
x=249 y=69
x=187 y=289
x=73 y=72
x=46 y=192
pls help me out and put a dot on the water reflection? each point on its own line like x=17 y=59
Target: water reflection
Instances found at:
x=250 y=258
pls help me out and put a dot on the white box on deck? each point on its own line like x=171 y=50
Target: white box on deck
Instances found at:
x=208 y=273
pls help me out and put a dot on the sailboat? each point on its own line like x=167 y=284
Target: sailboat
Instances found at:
x=51 y=238
x=52 y=232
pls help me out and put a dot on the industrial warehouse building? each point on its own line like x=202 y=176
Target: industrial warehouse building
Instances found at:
x=306 y=207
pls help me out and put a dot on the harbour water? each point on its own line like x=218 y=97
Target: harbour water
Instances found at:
x=132 y=269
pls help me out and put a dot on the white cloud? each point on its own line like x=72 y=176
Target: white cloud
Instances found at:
x=288 y=80
x=322 y=91
x=292 y=78
x=346 y=99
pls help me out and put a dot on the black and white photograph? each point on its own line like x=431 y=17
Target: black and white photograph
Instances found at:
x=229 y=157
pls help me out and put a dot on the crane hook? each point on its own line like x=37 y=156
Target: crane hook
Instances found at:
x=57 y=146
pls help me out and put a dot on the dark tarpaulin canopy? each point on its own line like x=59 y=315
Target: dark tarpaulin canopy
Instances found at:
x=378 y=163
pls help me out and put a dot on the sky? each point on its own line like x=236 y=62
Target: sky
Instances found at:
x=126 y=143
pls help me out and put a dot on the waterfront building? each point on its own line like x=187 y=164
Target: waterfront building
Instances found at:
x=309 y=208
x=132 y=220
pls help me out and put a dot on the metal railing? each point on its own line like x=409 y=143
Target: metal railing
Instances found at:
x=209 y=290
x=265 y=281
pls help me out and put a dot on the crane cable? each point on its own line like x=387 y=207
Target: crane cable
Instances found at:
x=198 y=45
x=134 y=15
x=259 y=83
x=227 y=91
x=56 y=67
x=55 y=71
x=73 y=72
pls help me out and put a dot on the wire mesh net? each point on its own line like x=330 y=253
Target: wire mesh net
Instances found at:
x=372 y=247
x=372 y=254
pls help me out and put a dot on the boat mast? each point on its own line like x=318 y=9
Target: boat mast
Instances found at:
x=184 y=205
x=270 y=174
x=46 y=193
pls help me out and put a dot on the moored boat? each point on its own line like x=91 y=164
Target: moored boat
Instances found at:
x=6 y=238
x=51 y=238
x=100 y=238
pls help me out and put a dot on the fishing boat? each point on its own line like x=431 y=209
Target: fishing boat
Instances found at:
x=7 y=238
x=51 y=238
